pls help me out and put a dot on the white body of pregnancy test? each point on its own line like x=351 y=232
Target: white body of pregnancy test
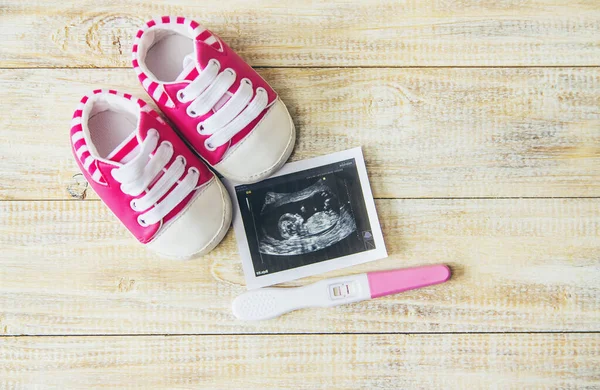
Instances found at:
x=266 y=303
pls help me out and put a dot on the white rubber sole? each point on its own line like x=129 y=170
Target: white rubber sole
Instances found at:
x=280 y=162
x=218 y=237
x=271 y=170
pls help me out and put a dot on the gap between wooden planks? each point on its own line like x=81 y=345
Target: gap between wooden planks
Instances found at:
x=276 y=33
x=566 y=361
x=426 y=133
x=519 y=265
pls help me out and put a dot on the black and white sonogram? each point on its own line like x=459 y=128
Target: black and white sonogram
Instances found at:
x=305 y=217
x=304 y=221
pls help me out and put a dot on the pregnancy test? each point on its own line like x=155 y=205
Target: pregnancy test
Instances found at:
x=266 y=303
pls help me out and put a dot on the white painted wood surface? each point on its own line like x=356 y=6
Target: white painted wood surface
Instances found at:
x=447 y=361
x=519 y=265
x=88 y=33
x=480 y=123
x=425 y=133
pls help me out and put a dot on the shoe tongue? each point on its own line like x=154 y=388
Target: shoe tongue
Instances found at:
x=126 y=150
x=189 y=71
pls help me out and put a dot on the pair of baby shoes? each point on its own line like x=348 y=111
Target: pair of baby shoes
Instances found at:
x=155 y=179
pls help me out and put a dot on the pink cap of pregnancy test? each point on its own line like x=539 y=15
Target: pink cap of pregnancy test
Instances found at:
x=396 y=281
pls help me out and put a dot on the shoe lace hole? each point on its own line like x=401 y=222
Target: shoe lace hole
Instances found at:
x=209 y=146
x=133 y=205
x=141 y=221
x=153 y=133
x=200 y=128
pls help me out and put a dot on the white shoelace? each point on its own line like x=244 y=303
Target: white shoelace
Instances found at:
x=136 y=175
x=207 y=89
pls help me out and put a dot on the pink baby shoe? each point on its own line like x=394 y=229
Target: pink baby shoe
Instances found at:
x=220 y=105
x=159 y=189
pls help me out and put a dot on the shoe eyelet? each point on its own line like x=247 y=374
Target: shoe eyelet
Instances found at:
x=247 y=81
x=169 y=144
x=200 y=128
x=210 y=147
x=230 y=71
x=194 y=170
x=215 y=62
x=261 y=89
x=141 y=221
x=133 y=205
x=153 y=132
x=191 y=113
x=181 y=96
x=182 y=159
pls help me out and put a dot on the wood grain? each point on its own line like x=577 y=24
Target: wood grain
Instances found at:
x=67 y=267
x=462 y=361
x=458 y=99
x=426 y=133
x=75 y=33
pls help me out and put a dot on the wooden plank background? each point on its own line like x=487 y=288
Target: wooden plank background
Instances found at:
x=274 y=33
x=426 y=133
x=538 y=361
x=480 y=124
x=519 y=265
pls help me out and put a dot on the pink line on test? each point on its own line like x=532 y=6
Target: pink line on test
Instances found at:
x=396 y=281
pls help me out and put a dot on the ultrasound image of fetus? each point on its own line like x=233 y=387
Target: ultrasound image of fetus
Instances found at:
x=304 y=221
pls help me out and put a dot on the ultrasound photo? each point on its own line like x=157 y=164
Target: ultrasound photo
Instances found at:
x=305 y=217
x=304 y=221
x=312 y=216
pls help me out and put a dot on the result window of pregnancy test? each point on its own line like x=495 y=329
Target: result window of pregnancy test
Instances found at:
x=341 y=290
